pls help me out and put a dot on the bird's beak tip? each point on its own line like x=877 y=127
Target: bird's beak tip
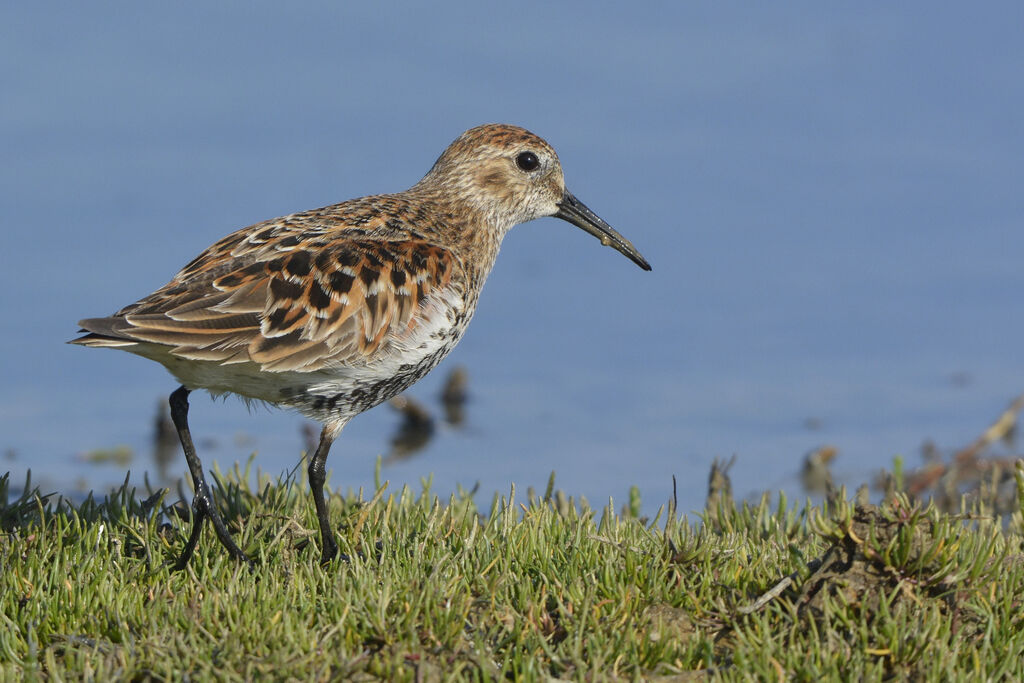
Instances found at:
x=576 y=212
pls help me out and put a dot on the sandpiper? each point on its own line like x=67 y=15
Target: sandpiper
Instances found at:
x=335 y=310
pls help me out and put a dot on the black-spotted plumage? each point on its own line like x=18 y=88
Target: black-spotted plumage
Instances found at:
x=334 y=310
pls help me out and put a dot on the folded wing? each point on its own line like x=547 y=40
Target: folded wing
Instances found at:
x=314 y=304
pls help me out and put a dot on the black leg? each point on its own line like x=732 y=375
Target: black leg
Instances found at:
x=202 y=504
x=317 y=476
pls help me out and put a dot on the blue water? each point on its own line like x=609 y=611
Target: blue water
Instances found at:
x=831 y=198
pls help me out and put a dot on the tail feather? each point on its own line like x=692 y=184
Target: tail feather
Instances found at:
x=104 y=332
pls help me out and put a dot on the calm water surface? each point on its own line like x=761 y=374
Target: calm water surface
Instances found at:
x=830 y=197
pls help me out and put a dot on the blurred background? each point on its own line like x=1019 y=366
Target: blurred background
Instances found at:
x=831 y=199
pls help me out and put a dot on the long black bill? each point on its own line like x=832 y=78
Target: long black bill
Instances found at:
x=576 y=212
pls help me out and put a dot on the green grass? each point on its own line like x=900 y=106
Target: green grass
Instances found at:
x=523 y=588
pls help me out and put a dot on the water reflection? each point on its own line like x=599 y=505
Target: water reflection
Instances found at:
x=413 y=433
x=454 y=395
x=166 y=446
x=816 y=475
x=985 y=471
x=719 y=484
x=417 y=426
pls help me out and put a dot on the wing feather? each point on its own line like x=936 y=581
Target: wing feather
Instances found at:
x=288 y=300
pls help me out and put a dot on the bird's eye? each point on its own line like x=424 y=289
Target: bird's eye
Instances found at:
x=527 y=161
